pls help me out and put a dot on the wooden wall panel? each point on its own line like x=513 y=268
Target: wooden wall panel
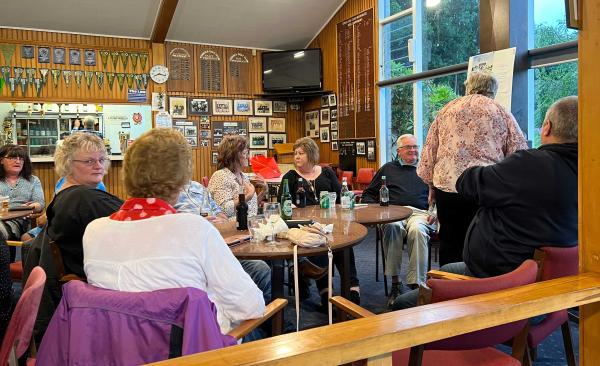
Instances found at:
x=327 y=41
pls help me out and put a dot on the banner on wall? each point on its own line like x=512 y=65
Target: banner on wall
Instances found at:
x=501 y=64
x=136 y=96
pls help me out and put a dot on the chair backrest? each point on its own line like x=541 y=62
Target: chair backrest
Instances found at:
x=348 y=175
x=365 y=176
x=20 y=328
x=151 y=326
x=205 y=181
x=443 y=290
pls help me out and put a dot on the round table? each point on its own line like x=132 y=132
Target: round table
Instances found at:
x=371 y=214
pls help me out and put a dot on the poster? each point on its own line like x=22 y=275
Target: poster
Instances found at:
x=125 y=119
x=501 y=64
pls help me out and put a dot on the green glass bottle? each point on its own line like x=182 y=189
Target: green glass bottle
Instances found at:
x=286 y=201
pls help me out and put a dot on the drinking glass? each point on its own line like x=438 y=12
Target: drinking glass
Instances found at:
x=332 y=199
x=254 y=225
x=272 y=212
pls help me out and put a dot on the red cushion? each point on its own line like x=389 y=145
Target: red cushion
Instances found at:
x=16 y=271
x=488 y=356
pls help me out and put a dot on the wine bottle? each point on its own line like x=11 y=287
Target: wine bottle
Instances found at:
x=286 y=201
x=241 y=211
x=300 y=194
x=384 y=193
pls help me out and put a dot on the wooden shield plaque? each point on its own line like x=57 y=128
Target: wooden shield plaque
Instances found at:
x=238 y=71
x=210 y=69
x=181 y=67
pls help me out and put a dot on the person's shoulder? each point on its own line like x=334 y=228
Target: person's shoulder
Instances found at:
x=291 y=174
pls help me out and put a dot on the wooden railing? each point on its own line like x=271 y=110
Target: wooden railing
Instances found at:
x=374 y=338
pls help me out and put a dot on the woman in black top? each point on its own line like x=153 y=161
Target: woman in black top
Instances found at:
x=314 y=180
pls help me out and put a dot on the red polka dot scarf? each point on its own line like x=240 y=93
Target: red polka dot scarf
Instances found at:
x=142 y=208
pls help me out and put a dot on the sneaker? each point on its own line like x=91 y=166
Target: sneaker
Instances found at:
x=394 y=293
x=355 y=297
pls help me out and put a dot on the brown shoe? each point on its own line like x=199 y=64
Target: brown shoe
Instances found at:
x=310 y=270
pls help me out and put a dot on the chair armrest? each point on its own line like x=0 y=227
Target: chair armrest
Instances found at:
x=249 y=325
x=14 y=243
x=350 y=308
x=441 y=275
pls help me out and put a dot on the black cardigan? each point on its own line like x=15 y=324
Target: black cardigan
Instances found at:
x=327 y=181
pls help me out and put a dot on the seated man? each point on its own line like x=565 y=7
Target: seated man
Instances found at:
x=527 y=201
x=406 y=189
x=192 y=199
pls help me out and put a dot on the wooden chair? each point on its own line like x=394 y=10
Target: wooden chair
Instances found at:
x=474 y=348
x=205 y=181
x=363 y=179
x=16 y=268
x=60 y=267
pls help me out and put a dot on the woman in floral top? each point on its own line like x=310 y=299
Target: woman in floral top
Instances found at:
x=469 y=131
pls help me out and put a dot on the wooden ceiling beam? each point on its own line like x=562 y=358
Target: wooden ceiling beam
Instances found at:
x=163 y=20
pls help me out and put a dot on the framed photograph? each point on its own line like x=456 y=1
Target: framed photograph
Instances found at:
x=573 y=13
x=333 y=114
x=89 y=57
x=258 y=140
x=217 y=141
x=360 y=148
x=242 y=107
x=200 y=106
x=179 y=129
x=43 y=55
x=279 y=106
x=254 y=153
x=214 y=157
x=257 y=124
x=334 y=135
x=204 y=134
x=263 y=108
x=334 y=126
x=276 y=124
x=217 y=132
x=191 y=131
x=193 y=141
x=204 y=123
x=332 y=100
x=178 y=107
x=205 y=143
x=222 y=107
x=371 y=154
x=371 y=143
x=334 y=146
x=59 y=55
x=27 y=51
x=324 y=100
x=325 y=116
x=74 y=56
x=311 y=120
x=324 y=134
x=276 y=138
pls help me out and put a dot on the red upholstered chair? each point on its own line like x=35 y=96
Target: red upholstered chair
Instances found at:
x=20 y=329
x=16 y=268
x=205 y=181
x=555 y=262
x=349 y=175
x=475 y=348
x=363 y=179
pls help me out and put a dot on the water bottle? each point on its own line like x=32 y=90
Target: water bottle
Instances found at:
x=345 y=197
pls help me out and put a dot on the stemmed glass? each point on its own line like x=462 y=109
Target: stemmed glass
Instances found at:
x=272 y=213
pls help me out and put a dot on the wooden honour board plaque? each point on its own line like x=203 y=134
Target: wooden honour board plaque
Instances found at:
x=239 y=71
x=180 y=61
x=211 y=67
x=356 y=79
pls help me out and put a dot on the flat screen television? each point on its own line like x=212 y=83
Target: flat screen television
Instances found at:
x=294 y=70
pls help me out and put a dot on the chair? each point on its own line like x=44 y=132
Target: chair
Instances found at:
x=99 y=326
x=205 y=181
x=20 y=329
x=349 y=175
x=475 y=348
x=363 y=179
x=16 y=268
x=555 y=262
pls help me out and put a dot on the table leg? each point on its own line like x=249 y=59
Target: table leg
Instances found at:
x=277 y=268
x=344 y=280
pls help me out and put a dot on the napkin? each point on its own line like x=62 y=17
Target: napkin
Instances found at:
x=310 y=236
x=280 y=229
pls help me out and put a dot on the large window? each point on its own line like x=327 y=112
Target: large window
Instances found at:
x=550 y=23
x=391 y=7
x=395 y=47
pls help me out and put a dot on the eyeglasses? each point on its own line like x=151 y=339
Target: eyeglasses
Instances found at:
x=91 y=162
x=409 y=147
x=14 y=158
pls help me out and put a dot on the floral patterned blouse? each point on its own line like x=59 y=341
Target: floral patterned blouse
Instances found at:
x=469 y=131
x=224 y=188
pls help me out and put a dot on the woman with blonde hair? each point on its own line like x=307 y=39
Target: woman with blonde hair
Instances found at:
x=147 y=245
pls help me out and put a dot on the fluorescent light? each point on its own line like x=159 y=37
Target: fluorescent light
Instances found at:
x=299 y=54
x=268 y=71
x=432 y=3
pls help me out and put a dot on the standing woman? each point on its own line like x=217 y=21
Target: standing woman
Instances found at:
x=469 y=131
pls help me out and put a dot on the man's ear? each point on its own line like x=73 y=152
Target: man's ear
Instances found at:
x=546 y=128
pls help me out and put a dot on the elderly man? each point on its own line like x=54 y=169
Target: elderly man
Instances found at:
x=527 y=201
x=406 y=189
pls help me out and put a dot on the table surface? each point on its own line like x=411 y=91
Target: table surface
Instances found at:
x=15 y=214
x=371 y=214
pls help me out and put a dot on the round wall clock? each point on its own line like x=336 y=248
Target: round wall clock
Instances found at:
x=159 y=73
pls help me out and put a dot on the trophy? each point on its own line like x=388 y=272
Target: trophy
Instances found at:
x=123 y=138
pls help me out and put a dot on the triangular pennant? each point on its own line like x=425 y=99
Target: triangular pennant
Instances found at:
x=145 y=81
x=18 y=74
x=39 y=84
x=129 y=80
x=134 y=59
x=44 y=73
x=120 y=79
x=78 y=75
x=8 y=50
x=138 y=81
x=55 y=77
x=143 y=61
x=6 y=73
x=89 y=77
x=124 y=59
x=100 y=78
x=12 y=86
x=104 y=57
x=110 y=76
x=30 y=72
x=67 y=77
x=1 y=84
x=114 y=55
x=23 y=86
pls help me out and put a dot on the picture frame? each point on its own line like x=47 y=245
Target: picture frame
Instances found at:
x=360 y=148
x=279 y=106
x=276 y=124
x=324 y=134
x=324 y=100
x=204 y=134
x=573 y=13
x=214 y=157
x=311 y=120
x=191 y=131
x=74 y=56
x=222 y=107
x=89 y=57
x=217 y=141
x=333 y=135
x=325 y=116
x=333 y=114
x=27 y=52
x=199 y=107
x=204 y=123
x=180 y=129
x=258 y=140
x=43 y=55
x=371 y=154
x=277 y=138
x=332 y=100
x=192 y=140
x=257 y=124
x=334 y=146
x=204 y=143
x=242 y=107
x=263 y=108
x=334 y=125
x=254 y=153
x=178 y=107
x=58 y=55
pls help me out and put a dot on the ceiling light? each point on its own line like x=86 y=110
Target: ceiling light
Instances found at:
x=299 y=54
x=432 y=3
x=268 y=71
